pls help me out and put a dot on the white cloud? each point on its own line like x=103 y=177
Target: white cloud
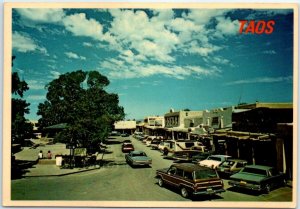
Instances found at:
x=148 y=36
x=203 y=16
x=23 y=43
x=72 y=55
x=195 y=48
x=217 y=60
x=36 y=85
x=262 y=80
x=226 y=26
x=267 y=12
x=79 y=25
x=147 y=70
x=54 y=74
x=42 y=15
x=87 y=44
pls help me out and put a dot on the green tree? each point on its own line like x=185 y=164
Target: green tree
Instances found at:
x=79 y=99
x=21 y=128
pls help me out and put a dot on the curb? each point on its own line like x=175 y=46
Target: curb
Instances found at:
x=64 y=174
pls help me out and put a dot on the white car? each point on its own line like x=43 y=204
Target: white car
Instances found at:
x=214 y=161
x=149 y=140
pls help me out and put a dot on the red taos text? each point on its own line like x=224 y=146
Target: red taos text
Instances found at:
x=256 y=27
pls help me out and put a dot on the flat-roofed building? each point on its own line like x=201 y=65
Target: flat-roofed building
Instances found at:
x=128 y=126
x=218 y=118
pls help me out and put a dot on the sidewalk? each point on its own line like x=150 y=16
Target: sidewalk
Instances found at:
x=50 y=168
x=54 y=170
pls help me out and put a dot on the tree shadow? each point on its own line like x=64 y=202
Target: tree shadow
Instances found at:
x=20 y=167
x=113 y=142
x=107 y=163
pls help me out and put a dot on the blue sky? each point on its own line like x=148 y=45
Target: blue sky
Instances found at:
x=158 y=59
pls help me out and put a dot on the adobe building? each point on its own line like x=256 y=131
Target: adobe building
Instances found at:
x=218 y=118
x=180 y=124
x=153 y=125
x=128 y=127
x=261 y=133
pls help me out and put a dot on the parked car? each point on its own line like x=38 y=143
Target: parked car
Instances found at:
x=181 y=145
x=230 y=167
x=127 y=141
x=199 y=157
x=214 y=161
x=191 y=179
x=138 y=158
x=149 y=140
x=185 y=156
x=115 y=133
x=164 y=144
x=125 y=135
x=154 y=143
x=258 y=178
x=127 y=148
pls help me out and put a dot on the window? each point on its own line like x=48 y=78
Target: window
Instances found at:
x=255 y=171
x=240 y=165
x=215 y=121
x=204 y=174
x=188 y=175
x=214 y=158
x=179 y=172
x=172 y=170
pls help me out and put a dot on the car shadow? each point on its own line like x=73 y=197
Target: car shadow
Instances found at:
x=244 y=191
x=192 y=197
x=140 y=166
x=206 y=197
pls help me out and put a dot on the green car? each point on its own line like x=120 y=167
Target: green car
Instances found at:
x=258 y=178
x=138 y=158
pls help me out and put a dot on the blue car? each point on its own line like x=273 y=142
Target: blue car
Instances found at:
x=138 y=158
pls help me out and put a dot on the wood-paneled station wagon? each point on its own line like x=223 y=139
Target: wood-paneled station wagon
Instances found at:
x=191 y=179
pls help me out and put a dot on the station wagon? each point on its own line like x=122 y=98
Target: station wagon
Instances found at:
x=191 y=179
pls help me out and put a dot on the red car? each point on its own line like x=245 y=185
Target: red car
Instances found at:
x=127 y=148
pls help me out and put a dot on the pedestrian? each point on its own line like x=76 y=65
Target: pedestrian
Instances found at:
x=40 y=155
x=49 y=155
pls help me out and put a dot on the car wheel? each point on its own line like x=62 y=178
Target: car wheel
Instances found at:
x=160 y=182
x=267 y=188
x=166 y=152
x=184 y=192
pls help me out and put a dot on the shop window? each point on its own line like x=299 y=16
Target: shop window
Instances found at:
x=215 y=121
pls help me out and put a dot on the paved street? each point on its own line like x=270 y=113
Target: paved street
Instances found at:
x=122 y=182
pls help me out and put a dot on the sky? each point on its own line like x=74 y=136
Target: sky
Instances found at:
x=158 y=59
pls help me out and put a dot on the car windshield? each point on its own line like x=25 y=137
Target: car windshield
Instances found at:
x=214 y=158
x=255 y=171
x=227 y=164
x=139 y=154
x=205 y=174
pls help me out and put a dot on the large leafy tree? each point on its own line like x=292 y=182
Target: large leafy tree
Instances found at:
x=21 y=128
x=79 y=99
